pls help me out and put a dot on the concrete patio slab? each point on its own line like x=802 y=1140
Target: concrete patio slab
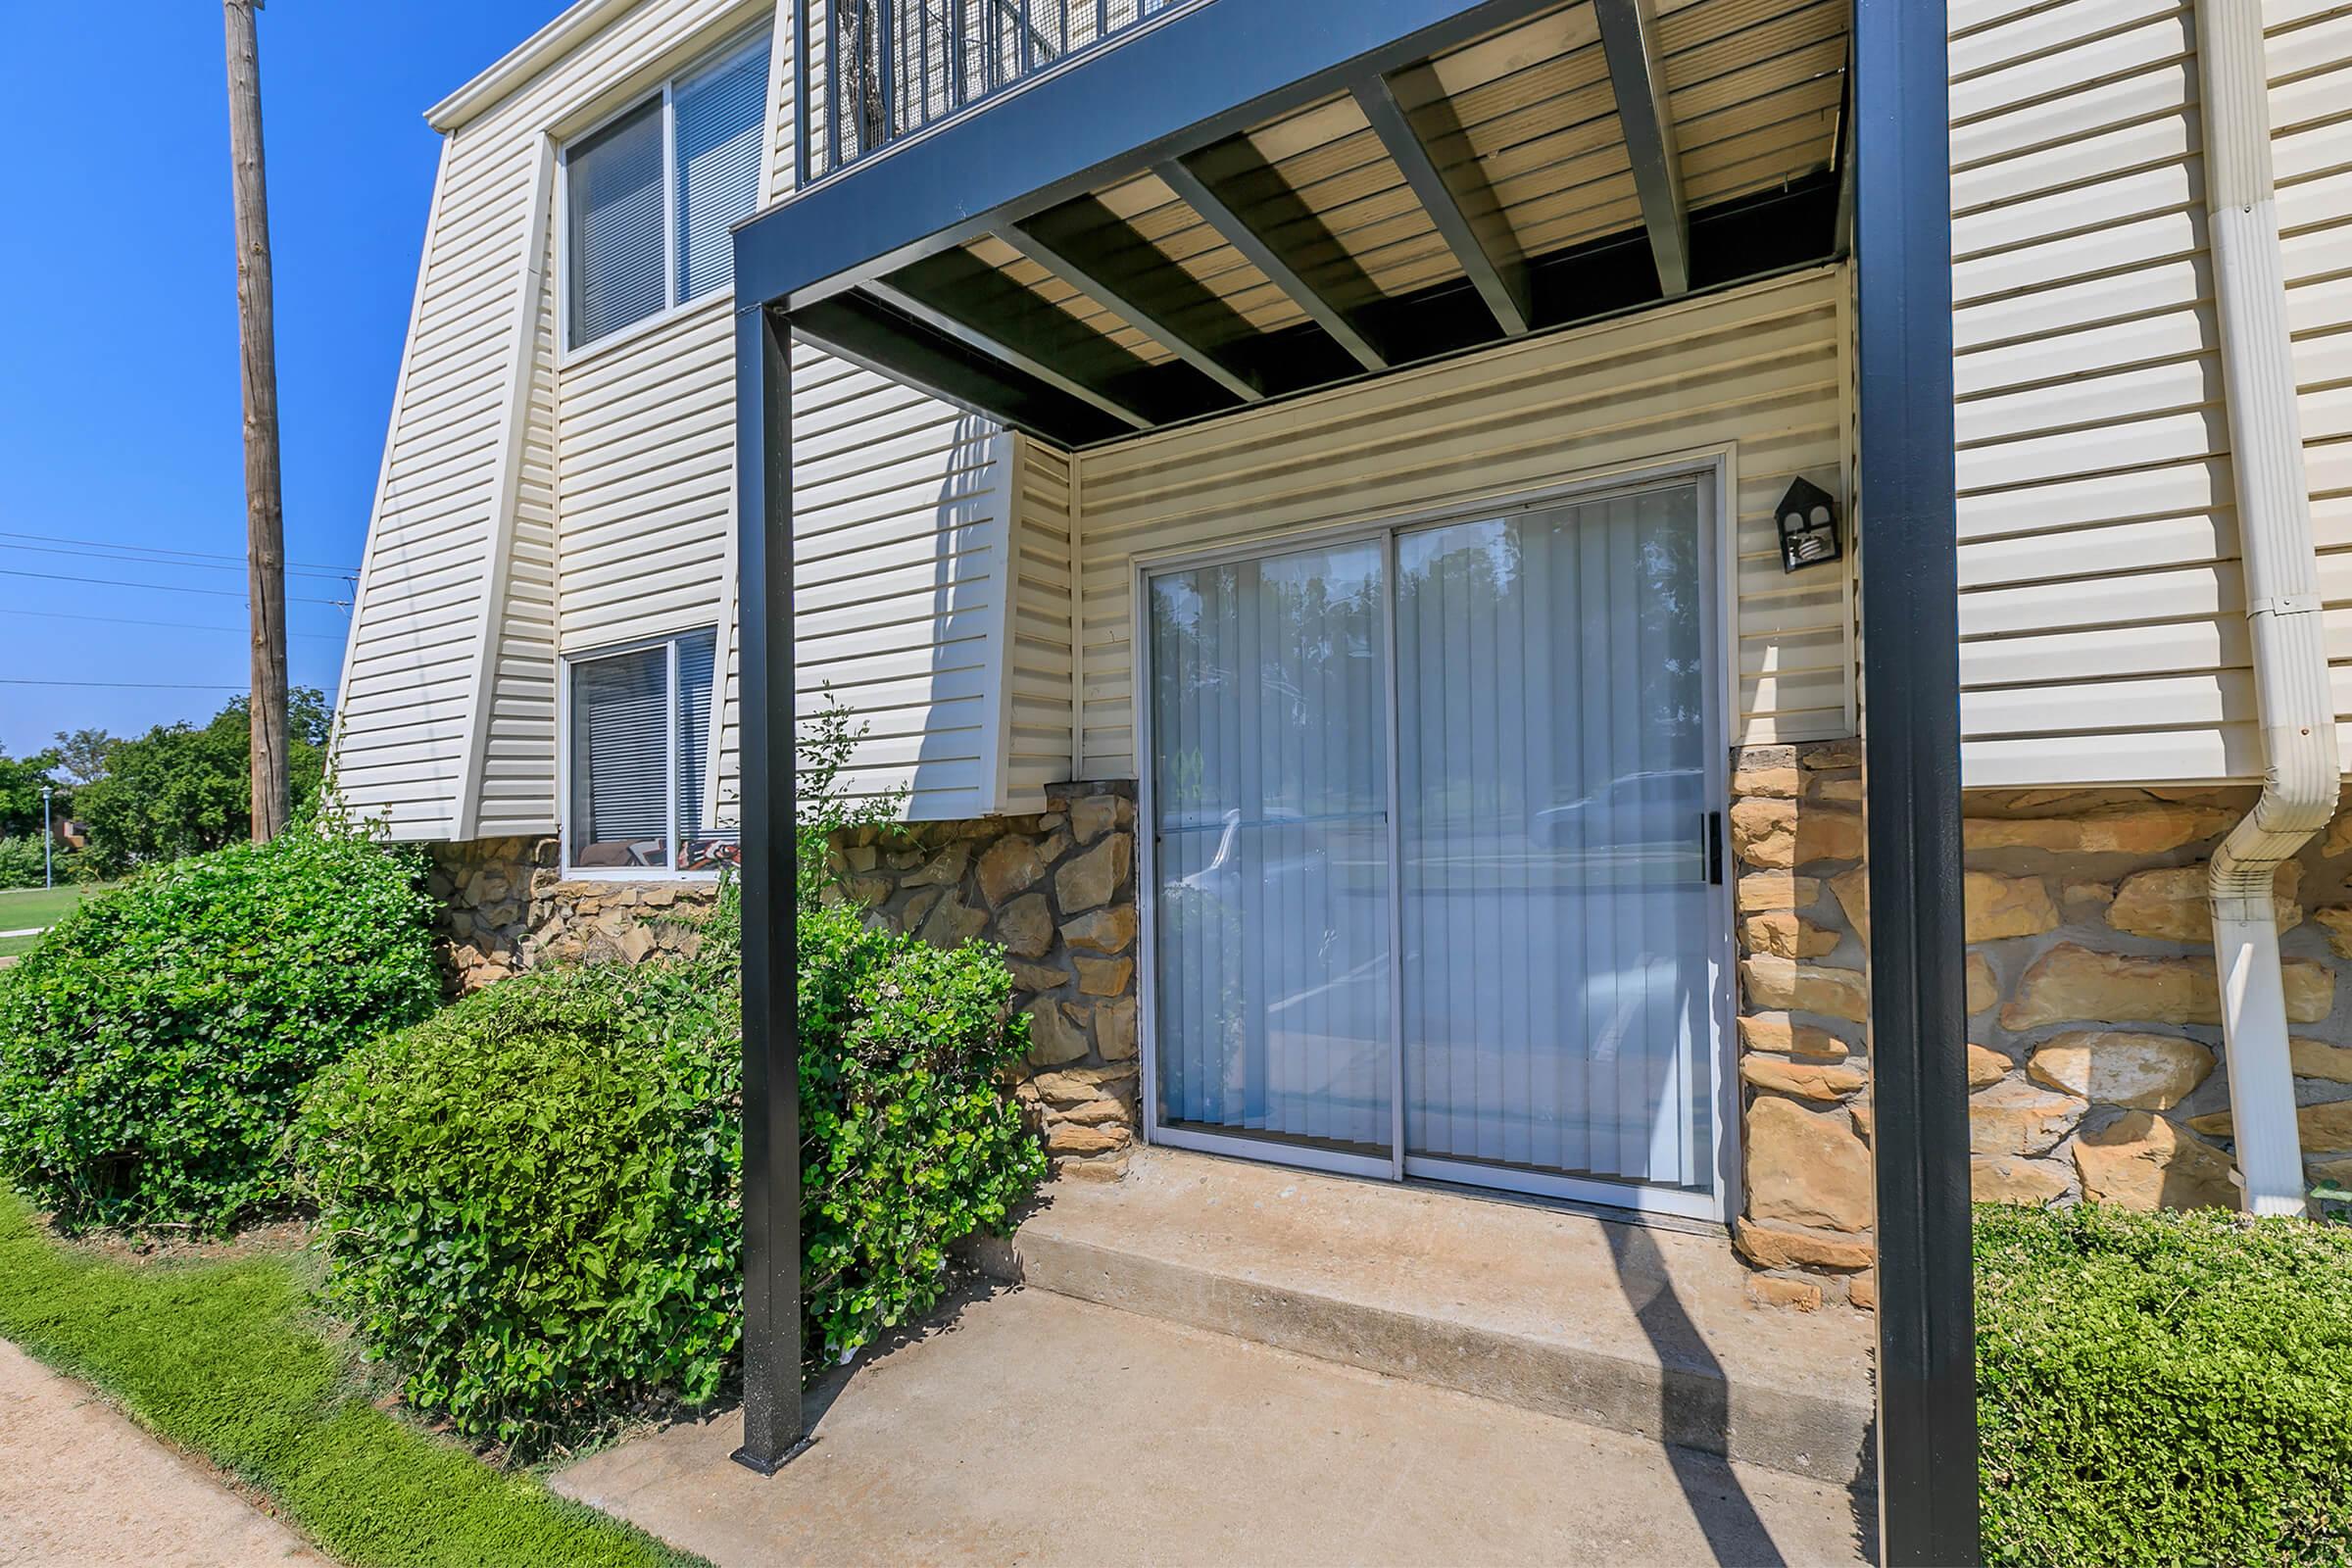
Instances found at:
x=82 y=1485
x=1639 y=1329
x=1032 y=1428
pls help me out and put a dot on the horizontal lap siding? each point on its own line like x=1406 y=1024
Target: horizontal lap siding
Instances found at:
x=1039 y=672
x=2101 y=613
x=1761 y=369
x=517 y=788
x=408 y=706
x=2310 y=48
x=646 y=438
x=899 y=540
x=407 y=698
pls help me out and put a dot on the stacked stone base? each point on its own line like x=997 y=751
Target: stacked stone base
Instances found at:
x=2094 y=1045
x=1058 y=891
x=507 y=907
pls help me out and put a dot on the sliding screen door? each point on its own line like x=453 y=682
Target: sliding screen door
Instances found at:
x=1560 y=929
x=1513 y=980
x=1269 y=799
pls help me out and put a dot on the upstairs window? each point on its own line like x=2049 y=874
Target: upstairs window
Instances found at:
x=641 y=759
x=650 y=195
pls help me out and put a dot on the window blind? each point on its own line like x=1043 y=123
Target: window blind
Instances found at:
x=621 y=759
x=696 y=661
x=614 y=184
x=720 y=118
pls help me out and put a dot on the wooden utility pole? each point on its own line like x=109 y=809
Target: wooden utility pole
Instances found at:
x=265 y=509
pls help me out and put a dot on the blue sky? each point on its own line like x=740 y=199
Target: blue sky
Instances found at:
x=119 y=409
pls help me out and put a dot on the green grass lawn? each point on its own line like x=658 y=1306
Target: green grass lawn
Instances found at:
x=22 y=908
x=225 y=1359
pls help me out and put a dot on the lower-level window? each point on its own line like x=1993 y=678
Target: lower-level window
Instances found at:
x=641 y=759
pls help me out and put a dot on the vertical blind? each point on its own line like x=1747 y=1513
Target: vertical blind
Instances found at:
x=721 y=124
x=1556 y=970
x=621 y=759
x=696 y=661
x=1270 y=805
x=614 y=182
x=1558 y=924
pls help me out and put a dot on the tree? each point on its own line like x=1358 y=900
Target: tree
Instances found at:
x=182 y=789
x=82 y=755
x=20 y=782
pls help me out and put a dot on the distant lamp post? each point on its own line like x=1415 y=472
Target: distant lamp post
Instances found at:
x=48 y=843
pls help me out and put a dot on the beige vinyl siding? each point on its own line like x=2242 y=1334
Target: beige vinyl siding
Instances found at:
x=436 y=680
x=1760 y=371
x=2100 y=611
x=898 y=523
x=1040 y=671
x=516 y=789
x=407 y=700
x=646 y=434
x=2310 y=48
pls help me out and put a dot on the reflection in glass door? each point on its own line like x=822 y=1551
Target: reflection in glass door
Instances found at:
x=1431 y=883
x=1559 y=923
x=1269 y=803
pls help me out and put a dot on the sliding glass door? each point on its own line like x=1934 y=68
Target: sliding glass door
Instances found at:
x=1434 y=885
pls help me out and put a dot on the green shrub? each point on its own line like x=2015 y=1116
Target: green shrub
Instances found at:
x=2167 y=1388
x=155 y=1046
x=20 y=861
x=533 y=1200
x=908 y=1140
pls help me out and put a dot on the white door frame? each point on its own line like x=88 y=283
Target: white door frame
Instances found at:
x=1716 y=470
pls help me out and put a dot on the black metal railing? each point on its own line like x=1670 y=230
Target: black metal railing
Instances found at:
x=870 y=71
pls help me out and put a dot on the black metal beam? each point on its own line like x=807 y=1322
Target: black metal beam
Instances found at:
x=853 y=328
x=1911 y=774
x=1628 y=40
x=1196 y=192
x=999 y=345
x=1086 y=275
x=1170 y=88
x=772 y=1432
x=1500 y=280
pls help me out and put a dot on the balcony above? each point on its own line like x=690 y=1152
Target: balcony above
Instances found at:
x=1236 y=200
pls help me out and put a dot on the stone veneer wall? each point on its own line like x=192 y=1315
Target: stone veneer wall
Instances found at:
x=2093 y=1043
x=1057 y=890
x=507 y=907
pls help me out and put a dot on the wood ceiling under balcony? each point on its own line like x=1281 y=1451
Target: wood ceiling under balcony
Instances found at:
x=1590 y=159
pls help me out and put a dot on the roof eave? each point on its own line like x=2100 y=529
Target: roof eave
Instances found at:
x=524 y=61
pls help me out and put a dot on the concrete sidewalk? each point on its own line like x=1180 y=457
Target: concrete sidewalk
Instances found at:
x=1031 y=1427
x=82 y=1485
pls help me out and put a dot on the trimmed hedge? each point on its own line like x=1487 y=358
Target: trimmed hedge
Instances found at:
x=155 y=1046
x=2164 y=1388
x=533 y=1200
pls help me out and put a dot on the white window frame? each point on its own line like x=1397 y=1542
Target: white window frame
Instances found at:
x=668 y=642
x=718 y=59
x=1715 y=468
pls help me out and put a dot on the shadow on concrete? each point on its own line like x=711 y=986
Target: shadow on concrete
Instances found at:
x=1694 y=1404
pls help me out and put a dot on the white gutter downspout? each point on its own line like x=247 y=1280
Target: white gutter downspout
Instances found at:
x=2293 y=703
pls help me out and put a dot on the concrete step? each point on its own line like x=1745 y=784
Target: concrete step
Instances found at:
x=1631 y=1328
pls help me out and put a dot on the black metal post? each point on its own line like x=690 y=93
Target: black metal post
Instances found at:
x=771 y=1052
x=1911 y=771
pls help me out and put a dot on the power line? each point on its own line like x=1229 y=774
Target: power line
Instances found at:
x=160 y=550
x=134 y=685
x=131 y=556
x=168 y=625
x=163 y=587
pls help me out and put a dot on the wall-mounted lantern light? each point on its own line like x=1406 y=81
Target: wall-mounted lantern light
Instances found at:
x=1808 y=521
